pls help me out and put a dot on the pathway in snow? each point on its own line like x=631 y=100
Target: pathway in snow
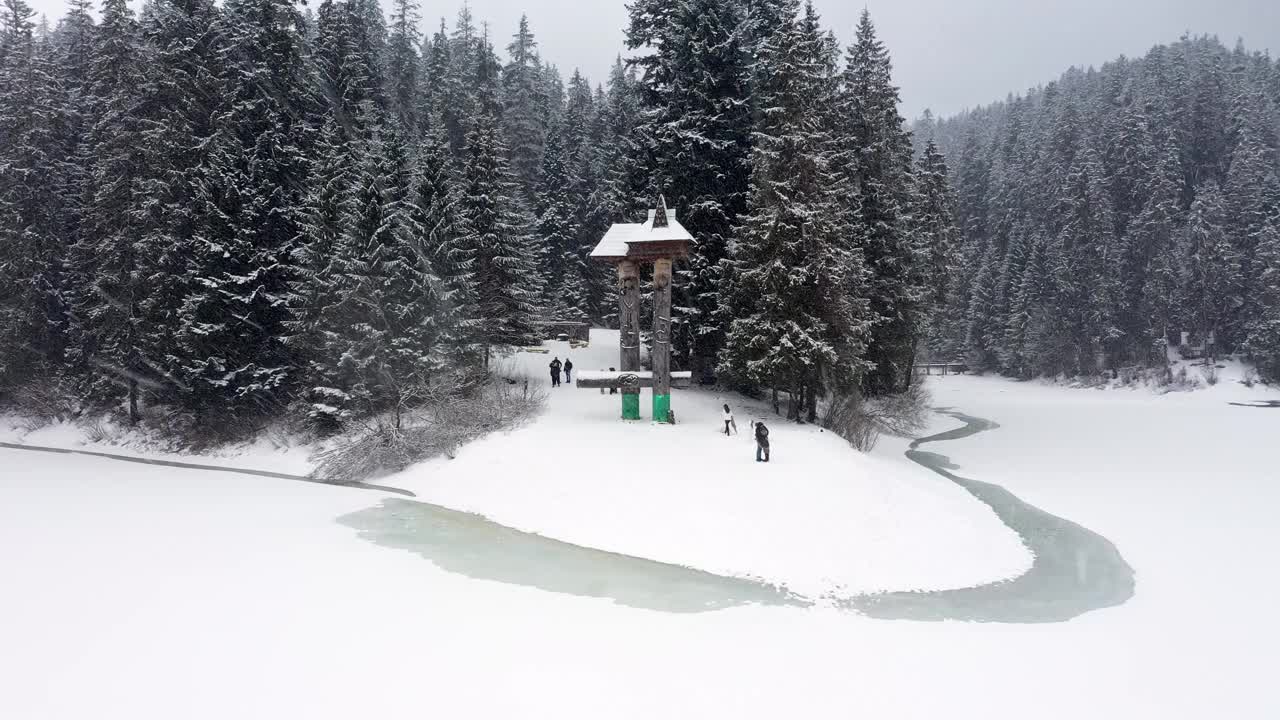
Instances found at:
x=1075 y=569
x=197 y=466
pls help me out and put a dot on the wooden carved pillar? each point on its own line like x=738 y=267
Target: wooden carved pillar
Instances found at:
x=629 y=332
x=661 y=355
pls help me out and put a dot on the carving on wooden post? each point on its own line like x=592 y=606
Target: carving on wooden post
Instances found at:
x=661 y=355
x=629 y=333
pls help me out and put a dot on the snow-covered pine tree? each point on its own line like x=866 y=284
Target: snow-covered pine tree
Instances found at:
x=502 y=248
x=1263 y=343
x=456 y=89
x=182 y=98
x=1154 y=233
x=581 y=285
x=383 y=319
x=555 y=216
x=432 y=217
x=1211 y=282
x=403 y=64
x=933 y=224
x=433 y=79
x=621 y=150
x=34 y=144
x=229 y=349
x=876 y=159
x=697 y=136
x=794 y=325
x=1252 y=195
x=523 y=125
x=110 y=268
x=350 y=78
x=322 y=226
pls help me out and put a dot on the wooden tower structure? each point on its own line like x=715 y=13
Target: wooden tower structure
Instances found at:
x=660 y=240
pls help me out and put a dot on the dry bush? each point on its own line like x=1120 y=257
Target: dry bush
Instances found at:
x=443 y=423
x=45 y=402
x=98 y=430
x=1210 y=373
x=861 y=420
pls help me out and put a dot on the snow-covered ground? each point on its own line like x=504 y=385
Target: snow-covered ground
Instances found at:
x=819 y=518
x=145 y=592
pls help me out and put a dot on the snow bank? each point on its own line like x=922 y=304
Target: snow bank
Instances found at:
x=820 y=518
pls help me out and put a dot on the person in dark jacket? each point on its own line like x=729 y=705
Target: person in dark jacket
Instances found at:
x=762 y=442
x=568 y=368
x=555 y=372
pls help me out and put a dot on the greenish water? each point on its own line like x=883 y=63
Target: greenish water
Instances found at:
x=1075 y=570
x=474 y=546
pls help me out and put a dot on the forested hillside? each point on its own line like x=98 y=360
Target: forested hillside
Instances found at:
x=1114 y=209
x=234 y=211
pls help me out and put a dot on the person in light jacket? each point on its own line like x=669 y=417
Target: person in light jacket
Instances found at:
x=728 y=420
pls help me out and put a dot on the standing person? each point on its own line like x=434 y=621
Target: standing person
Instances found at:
x=762 y=442
x=555 y=372
x=568 y=368
x=613 y=390
x=728 y=420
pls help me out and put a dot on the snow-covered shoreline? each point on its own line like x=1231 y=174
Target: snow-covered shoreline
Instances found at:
x=141 y=592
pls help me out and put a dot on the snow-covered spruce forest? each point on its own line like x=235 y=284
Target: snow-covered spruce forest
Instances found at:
x=1114 y=209
x=244 y=211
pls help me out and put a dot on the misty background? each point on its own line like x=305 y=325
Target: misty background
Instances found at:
x=947 y=55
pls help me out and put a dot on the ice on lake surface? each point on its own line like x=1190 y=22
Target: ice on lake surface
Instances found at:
x=471 y=545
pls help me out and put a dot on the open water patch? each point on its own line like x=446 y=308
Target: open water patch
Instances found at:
x=474 y=546
x=1074 y=570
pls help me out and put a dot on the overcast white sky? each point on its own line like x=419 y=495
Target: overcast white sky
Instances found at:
x=948 y=54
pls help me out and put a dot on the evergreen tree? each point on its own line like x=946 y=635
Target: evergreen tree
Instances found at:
x=505 y=276
x=1263 y=343
x=433 y=219
x=1211 y=281
x=403 y=64
x=33 y=134
x=697 y=138
x=523 y=125
x=793 y=322
x=109 y=267
x=229 y=349
x=933 y=221
x=876 y=161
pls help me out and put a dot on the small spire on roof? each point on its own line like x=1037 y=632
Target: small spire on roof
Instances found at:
x=660 y=217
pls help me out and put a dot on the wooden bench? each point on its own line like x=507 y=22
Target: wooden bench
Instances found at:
x=626 y=379
x=555 y=329
x=944 y=368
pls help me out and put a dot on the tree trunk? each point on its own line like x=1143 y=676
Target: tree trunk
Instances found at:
x=134 y=416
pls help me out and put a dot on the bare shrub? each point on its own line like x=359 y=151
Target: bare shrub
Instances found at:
x=31 y=423
x=444 y=422
x=861 y=420
x=45 y=402
x=1210 y=373
x=98 y=430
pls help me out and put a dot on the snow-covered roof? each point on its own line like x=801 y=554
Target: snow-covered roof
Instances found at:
x=621 y=236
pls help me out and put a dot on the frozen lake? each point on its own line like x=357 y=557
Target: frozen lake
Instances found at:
x=138 y=591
